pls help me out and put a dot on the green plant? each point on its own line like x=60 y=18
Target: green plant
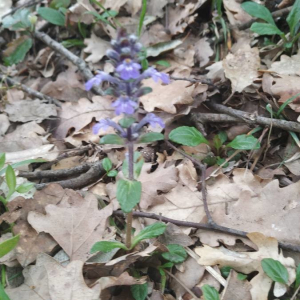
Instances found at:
x=270 y=28
x=275 y=270
x=210 y=293
x=107 y=165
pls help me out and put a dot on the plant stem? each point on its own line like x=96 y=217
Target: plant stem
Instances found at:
x=3 y=275
x=130 y=177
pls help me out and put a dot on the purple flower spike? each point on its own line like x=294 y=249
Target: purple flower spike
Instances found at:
x=129 y=69
x=152 y=72
x=124 y=105
x=101 y=76
x=103 y=124
x=153 y=120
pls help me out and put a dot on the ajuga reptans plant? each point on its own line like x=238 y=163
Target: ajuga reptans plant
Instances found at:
x=126 y=87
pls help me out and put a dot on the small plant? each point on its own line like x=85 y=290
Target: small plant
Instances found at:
x=270 y=28
x=210 y=293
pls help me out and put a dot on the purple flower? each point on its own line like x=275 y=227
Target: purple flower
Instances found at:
x=129 y=69
x=101 y=76
x=124 y=105
x=151 y=119
x=103 y=124
x=152 y=72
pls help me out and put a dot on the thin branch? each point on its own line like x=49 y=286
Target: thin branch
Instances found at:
x=212 y=227
x=249 y=118
x=28 y=90
x=82 y=67
x=194 y=80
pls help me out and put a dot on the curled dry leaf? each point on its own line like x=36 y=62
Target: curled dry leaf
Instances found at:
x=248 y=262
x=165 y=97
x=75 y=226
x=242 y=67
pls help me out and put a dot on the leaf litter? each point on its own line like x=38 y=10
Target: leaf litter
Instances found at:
x=256 y=192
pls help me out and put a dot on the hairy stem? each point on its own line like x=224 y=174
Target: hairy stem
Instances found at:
x=130 y=177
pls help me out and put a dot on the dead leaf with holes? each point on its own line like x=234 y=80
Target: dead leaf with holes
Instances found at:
x=287 y=65
x=75 y=226
x=78 y=115
x=248 y=262
x=242 y=67
x=165 y=97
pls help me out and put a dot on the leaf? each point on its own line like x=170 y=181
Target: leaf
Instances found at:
x=265 y=29
x=137 y=167
x=139 y=291
x=162 y=47
x=149 y=232
x=151 y=137
x=127 y=121
x=112 y=173
x=244 y=142
x=112 y=139
x=287 y=102
x=2 y=160
x=142 y=17
x=128 y=194
x=3 y=295
x=188 y=136
x=294 y=17
x=275 y=270
x=225 y=271
x=25 y=187
x=107 y=246
x=60 y=3
x=297 y=277
x=241 y=276
x=210 y=293
x=19 y=54
x=258 y=11
x=107 y=164
x=19 y=20
x=8 y=245
x=52 y=16
x=176 y=254
x=163 y=63
x=10 y=177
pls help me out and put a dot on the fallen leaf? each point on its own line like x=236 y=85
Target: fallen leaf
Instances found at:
x=203 y=52
x=76 y=234
x=287 y=65
x=133 y=6
x=242 y=67
x=30 y=110
x=78 y=12
x=165 y=97
x=216 y=71
x=97 y=48
x=162 y=47
x=248 y=262
x=114 y=4
x=235 y=13
x=80 y=114
x=155 y=7
x=155 y=35
x=4 y=124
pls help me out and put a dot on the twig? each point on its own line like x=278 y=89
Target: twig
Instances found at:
x=251 y=118
x=91 y=176
x=296 y=292
x=28 y=90
x=82 y=67
x=194 y=80
x=212 y=227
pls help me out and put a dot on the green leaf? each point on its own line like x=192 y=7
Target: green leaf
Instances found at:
x=24 y=162
x=19 y=20
x=8 y=245
x=163 y=63
x=112 y=173
x=112 y=139
x=176 y=254
x=258 y=11
x=210 y=293
x=275 y=270
x=72 y=43
x=297 y=277
x=244 y=142
x=188 y=136
x=10 y=177
x=149 y=232
x=107 y=246
x=25 y=187
x=287 y=102
x=107 y=164
x=127 y=121
x=241 y=276
x=3 y=295
x=142 y=17
x=19 y=54
x=293 y=18
x=138 y=164
x=2 y=160
x=220 y=161
x=128 y=194
x=167 y=265
x=52 y=16
x=139 y=291
x=151 y=137
x=265 y=29
x=225 y=271
x=60 y=3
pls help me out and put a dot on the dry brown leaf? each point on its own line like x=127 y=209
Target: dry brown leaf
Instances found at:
x=236 y=289
x=78 y=12
x=97 y=48
x=4 y=124
x=156 y=34
x=78 y=115
x=155 y=8
x=133 y=6
x=235 y=13
x=30 y=110
x=203 y=52
x=242 y=67
x=114 y=4
x=76 y=226
x=287 y=65
x=248 y=262
x=216 y=71
x=165 y=97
